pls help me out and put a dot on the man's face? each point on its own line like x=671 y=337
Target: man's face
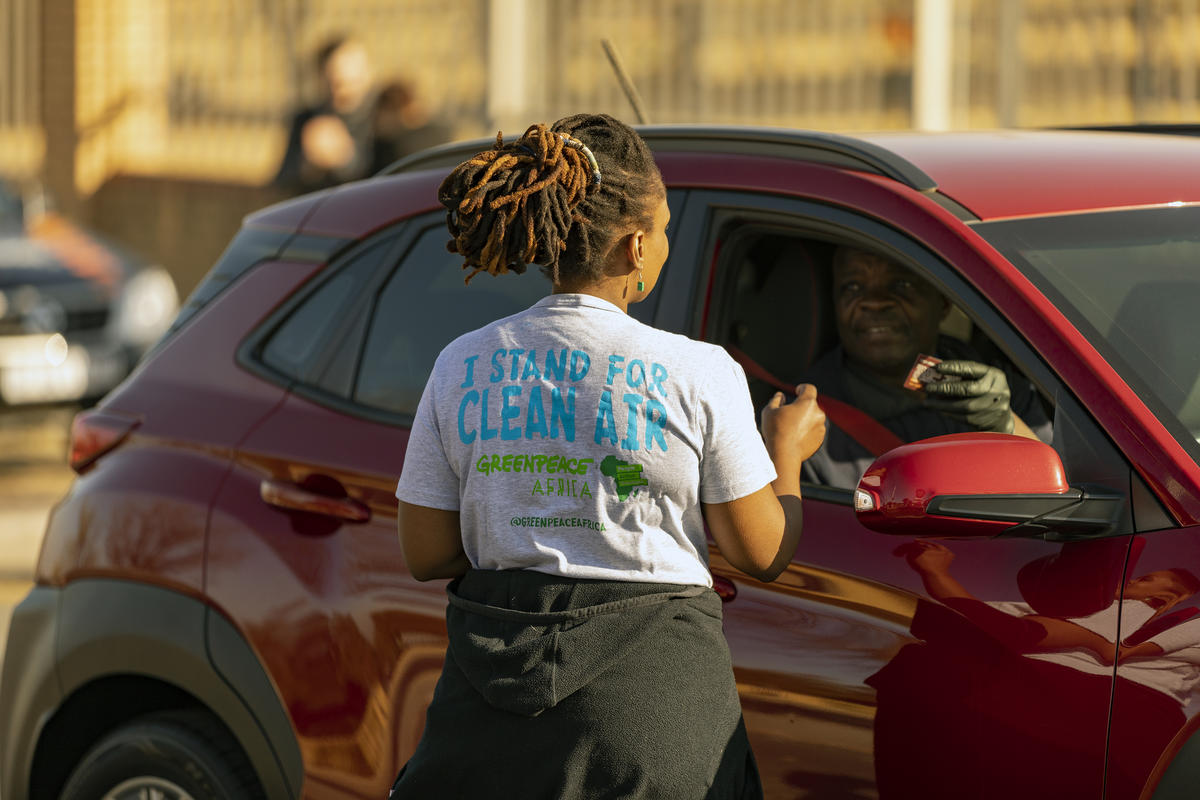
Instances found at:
x=886 y=313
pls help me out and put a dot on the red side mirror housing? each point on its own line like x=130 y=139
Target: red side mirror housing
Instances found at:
x=977 y=484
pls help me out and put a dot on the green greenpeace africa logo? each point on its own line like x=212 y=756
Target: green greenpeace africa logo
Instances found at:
x=628 y=476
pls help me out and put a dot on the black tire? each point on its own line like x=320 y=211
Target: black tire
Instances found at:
x=178 y=755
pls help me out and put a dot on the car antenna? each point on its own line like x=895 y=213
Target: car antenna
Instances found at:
x=626 y=84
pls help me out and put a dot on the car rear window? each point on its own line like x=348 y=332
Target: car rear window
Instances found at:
x=249 y=247
x=334 y=312
x=422 y=308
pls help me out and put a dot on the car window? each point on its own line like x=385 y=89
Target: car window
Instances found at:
x=299 y=347
x=1128 y=280
x=769 y=295
x=365 y=338
x=422 y=307
x=779 y=318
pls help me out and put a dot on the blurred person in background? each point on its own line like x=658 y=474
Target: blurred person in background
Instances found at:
x=403 y=124
x=331 y=142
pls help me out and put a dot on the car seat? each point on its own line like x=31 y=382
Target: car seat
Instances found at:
x=782 y=317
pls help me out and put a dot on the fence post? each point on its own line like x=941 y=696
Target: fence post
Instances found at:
x=1187 y=61
x=57 y=102
x=512 y=47
x=933 y=64
x=1141 y=91
x=1009 y=64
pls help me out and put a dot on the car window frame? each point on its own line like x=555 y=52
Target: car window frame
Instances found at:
x=712 y=211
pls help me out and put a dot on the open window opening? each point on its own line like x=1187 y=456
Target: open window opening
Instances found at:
x=780 y=313
x=778 y=316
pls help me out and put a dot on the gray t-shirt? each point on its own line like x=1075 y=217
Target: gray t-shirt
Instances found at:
x=576 y=441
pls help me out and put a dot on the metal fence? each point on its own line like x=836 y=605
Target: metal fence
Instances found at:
x=808 y=63
x=20 y=61
x=250 y=62
x=1057 y=62
x=202 y=87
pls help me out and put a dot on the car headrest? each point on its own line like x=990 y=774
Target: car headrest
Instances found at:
x=782 y=315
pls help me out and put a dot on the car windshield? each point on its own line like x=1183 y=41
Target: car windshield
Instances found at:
x=1130 y=281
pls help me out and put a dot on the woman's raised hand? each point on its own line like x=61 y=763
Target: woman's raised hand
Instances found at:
x=793 y=431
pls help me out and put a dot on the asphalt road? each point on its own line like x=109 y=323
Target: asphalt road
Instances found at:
x=33 y=476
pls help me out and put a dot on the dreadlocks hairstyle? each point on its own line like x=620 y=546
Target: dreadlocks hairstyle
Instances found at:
x=559 y=196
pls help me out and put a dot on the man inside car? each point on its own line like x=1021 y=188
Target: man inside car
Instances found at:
x=887 y=317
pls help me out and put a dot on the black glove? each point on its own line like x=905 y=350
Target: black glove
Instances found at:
x=981 y=398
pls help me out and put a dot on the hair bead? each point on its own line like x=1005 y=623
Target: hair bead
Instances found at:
x=583 y=148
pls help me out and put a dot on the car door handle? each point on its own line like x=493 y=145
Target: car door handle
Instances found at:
x=283 y=494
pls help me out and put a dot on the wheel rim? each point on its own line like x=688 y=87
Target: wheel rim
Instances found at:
x=147 y=788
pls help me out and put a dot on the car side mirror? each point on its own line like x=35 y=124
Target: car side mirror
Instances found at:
x=980 y=485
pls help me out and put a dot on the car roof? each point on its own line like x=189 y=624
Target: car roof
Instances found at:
x=978 y=175
x=999 y=174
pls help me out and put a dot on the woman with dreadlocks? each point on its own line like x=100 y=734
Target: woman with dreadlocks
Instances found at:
x=559 y=464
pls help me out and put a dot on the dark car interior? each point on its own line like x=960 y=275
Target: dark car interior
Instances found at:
x=780 y=318
x=781 y=313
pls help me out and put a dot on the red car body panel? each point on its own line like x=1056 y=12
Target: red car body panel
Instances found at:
x=340 y=602
x=837 y=662
x=990 y=172
x=288 y=215
x=370 y=205
x=842 y=657
x=141 y=511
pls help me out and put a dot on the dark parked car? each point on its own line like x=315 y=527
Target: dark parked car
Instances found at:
x=76 y=312
x=221 y=605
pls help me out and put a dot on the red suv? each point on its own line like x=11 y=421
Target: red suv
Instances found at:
x=222 y=609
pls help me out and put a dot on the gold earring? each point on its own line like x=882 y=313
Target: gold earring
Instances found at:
x=641 y=286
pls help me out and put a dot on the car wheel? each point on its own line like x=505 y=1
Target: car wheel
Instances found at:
x=180 y=755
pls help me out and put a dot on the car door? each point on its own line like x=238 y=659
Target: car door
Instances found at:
x=1124 y=279
x=857 y=678
x=303 y=547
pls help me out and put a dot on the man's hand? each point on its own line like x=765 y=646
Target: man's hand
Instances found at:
x=981 y=398
x=793 y=431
